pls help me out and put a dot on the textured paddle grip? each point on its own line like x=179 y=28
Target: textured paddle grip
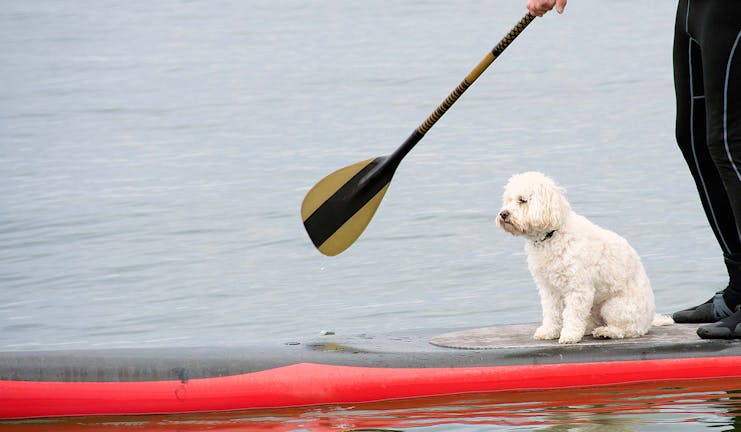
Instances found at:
x=474 y=74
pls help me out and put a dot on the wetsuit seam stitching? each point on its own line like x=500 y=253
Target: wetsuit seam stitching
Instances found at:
x=694 y=152
x=725 y=107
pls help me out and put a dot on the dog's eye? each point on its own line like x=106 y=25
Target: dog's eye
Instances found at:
x=522 y=200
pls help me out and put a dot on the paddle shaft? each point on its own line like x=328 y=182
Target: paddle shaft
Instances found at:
x=395 y=158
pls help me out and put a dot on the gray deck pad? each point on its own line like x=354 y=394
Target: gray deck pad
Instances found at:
x=521 y=336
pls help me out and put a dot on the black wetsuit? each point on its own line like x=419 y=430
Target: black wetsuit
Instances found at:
x=707 y=80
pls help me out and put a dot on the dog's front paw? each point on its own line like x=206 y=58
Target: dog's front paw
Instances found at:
x=570 y=337
x=546 y=333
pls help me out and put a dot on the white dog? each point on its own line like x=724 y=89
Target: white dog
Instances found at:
x=590 y=280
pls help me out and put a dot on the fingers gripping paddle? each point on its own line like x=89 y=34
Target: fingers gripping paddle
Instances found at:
x=338 y=208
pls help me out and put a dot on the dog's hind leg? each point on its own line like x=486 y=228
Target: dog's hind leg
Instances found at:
x=593 y=321
x=623 y=319
x=609 y=332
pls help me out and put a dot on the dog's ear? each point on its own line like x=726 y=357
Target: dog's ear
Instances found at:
x=548 y=207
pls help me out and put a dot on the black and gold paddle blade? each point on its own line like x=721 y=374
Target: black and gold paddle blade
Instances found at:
x=338 y=208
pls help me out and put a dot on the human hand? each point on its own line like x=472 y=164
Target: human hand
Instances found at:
x=540 y=7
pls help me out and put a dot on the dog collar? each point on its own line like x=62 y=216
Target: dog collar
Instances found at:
x=547 y=236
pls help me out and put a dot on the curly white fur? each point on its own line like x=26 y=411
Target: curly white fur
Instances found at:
x=590 y=280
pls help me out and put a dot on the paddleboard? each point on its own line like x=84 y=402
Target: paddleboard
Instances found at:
x=336 y=369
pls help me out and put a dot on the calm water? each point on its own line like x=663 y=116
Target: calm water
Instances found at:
x=154 y=155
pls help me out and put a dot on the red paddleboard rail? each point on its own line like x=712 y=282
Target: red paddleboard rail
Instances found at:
x=306 y=384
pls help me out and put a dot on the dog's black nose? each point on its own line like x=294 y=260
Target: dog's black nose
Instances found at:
x=504 y=214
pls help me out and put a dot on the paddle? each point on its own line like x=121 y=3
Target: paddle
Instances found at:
x=338 y=208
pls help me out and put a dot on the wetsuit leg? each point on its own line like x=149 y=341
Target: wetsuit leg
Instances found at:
x=707 y=77
x=708 y=126
x=707 y=63
x=719 y=35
